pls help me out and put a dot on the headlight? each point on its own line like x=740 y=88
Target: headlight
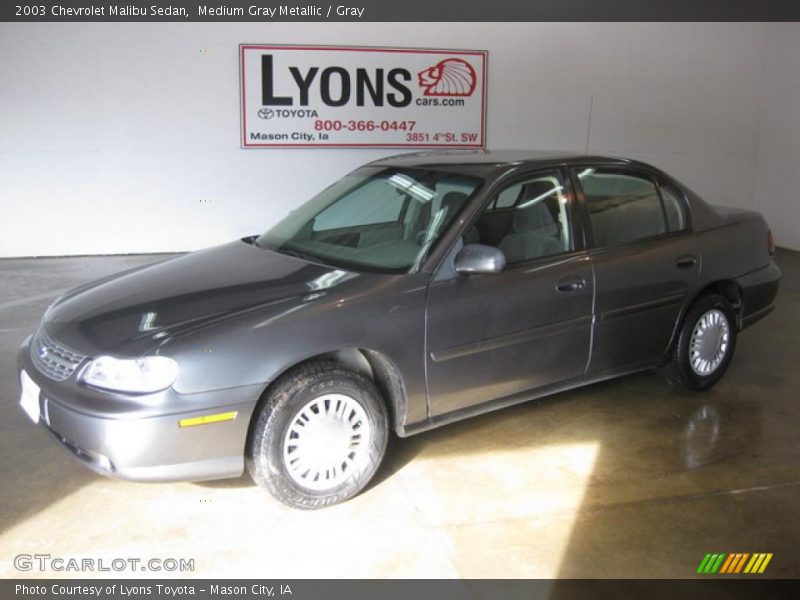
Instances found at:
x=140 y=375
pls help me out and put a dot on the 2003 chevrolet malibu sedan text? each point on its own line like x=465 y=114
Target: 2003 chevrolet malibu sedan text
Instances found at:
x=416 y=291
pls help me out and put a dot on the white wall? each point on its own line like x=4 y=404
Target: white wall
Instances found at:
x=777 y=192
x=125 y=137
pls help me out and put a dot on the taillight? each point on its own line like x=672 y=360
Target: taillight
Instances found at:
x=770 y=243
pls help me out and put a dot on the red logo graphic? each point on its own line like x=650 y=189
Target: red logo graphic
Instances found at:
x=450 y=77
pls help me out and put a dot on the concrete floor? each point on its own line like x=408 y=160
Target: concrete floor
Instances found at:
x=622 y=479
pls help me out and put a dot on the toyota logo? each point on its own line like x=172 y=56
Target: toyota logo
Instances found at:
x=266 y=113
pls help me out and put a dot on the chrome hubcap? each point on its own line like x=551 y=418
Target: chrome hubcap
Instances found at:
x=326 y=442
x=709 y=344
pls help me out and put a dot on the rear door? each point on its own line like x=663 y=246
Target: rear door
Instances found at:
x=645 y=262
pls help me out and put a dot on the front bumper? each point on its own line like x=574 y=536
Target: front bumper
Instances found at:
x=141 y=438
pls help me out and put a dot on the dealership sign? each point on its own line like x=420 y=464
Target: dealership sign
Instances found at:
x=311 y=96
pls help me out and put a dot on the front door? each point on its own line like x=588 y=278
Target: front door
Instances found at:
x=491 y=336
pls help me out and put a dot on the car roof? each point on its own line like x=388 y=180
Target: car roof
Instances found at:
x=489 y=161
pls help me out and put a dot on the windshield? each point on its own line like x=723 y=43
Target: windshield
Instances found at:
x=376 y=218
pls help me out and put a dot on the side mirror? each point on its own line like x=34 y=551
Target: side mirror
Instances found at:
x=477 y=258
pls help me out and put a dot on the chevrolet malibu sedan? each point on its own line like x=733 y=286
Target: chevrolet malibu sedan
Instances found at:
x=416 y=291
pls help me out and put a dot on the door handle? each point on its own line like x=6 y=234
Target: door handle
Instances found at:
x=686 y=262
x=572 y=284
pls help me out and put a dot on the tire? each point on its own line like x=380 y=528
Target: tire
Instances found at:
x=319 y=437
x=711 y=324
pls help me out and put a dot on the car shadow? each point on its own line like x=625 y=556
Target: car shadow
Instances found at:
x=243 y=481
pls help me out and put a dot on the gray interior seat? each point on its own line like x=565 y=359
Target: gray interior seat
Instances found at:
x=415 y=229
x=534 y=234
x=451 y=203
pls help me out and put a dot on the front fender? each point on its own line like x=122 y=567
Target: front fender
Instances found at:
x=259 y=347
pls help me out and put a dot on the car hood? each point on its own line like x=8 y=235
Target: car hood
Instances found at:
x=132 y=312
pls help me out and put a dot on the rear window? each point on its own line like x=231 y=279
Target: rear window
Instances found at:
x=623 y=207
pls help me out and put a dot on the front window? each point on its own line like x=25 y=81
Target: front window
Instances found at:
x=375 y=219
x=527 y=220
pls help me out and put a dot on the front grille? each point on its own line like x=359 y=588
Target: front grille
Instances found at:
x=52 y=359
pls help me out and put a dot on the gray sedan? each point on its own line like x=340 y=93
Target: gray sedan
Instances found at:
x=416 y=291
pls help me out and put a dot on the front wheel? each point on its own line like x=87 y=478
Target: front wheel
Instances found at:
x=319 y=437
x=705 y=345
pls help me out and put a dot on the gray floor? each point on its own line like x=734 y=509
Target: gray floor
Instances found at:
x=626 y=478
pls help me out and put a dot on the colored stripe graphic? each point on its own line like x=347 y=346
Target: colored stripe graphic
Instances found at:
x=727 y=564
x=764 y=564
x=734 y=563
x=711 y=563
x=755 y=562
x=716 y=565
x=730 y=565
x=741 y=562
x=703 y=563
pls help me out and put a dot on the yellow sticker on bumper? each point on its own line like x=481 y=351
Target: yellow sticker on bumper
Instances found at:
x=208 y=419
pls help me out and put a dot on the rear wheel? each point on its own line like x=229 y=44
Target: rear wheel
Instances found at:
x=705 y=345
x=319 y=437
